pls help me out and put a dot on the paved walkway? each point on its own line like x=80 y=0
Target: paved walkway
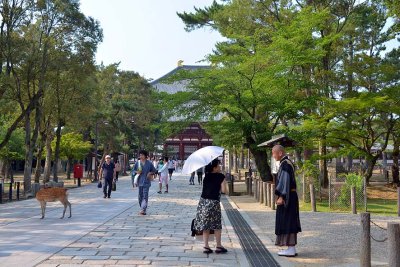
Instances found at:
x=109 y=232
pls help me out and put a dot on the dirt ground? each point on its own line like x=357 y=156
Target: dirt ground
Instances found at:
x=385 y=191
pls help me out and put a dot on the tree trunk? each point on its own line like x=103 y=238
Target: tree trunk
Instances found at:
x=28 y=154
x=323 y=166
x=12 y=171
x=242 y=157
x=47 y=165
x=298 y=158
x=261 y=159
x=6 y=168
x=57 y=152
x=395 y=166
x=30 y=143
x=370 y=167
x=39 y=162
x=2 y=168
x=230 y=167
x=89 y=160
x=307 y=180
x=235 y=160
x=349 y=163
x=69 y=164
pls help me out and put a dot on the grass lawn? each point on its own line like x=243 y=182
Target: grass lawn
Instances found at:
x=375 y=206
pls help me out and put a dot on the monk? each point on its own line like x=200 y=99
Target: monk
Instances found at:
x=287 y=223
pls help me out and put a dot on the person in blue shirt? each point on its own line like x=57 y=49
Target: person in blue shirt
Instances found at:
x=146 y=171
x=108 y=174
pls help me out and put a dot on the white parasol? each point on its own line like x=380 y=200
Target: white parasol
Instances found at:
x=201 y=158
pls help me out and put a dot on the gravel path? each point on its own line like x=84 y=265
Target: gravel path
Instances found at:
x=327 y=239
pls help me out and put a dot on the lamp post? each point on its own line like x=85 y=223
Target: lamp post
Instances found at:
x=96 y=178
x=126 y=158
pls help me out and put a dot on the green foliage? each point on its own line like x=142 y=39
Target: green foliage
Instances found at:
x=345 y=191
x=394 y=7
x=203 y=16
x=125 y=110
x=47 y=52
x=310 y=171
x=374 y=206
x=72 y=146
x=14 y=149
x=315 y=71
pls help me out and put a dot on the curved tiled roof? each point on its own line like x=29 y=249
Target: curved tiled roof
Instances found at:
x=185 y=67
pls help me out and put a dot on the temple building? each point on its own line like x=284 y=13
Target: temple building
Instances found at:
x=193 y=137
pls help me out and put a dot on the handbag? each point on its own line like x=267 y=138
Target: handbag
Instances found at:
x=114 y=186
x=198 y=234
x=99 y=185
x=151 y=177
x=136 y=179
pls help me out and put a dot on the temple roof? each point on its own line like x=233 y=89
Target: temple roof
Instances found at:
x=282 y=140
x=184 y=67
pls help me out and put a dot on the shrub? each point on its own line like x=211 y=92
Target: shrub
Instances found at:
x=352 y=179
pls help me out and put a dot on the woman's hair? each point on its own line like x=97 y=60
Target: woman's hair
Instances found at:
x=212 y=165
x=166 y=158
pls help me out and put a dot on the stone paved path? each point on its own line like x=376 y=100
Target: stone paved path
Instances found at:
x=109 y=232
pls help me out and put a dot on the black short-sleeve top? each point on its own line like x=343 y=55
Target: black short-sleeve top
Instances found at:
x=212 y=186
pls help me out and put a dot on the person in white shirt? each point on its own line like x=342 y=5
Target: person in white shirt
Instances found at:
x=163 y=171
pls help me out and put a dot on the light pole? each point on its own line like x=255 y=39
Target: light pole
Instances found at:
x=95 y=155
x=126 y=158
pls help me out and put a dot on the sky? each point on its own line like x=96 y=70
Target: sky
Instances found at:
x=146 y=36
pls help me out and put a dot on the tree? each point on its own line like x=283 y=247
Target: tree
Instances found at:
x=391 y=78
x=305 y=68
x=12 y=151
x=124 y=110
x=72 y=147
x=260 y=78
x=367 y=114
x=33 y=36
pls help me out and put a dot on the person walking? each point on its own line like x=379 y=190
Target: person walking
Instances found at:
x=171 y=168
x=107 y=173
x=200 y=175
x=159 y=166
x=146 y=172
x=191 y=179
x=117 y=169
x=287 y=223
x=163 y=172
x=208 y=215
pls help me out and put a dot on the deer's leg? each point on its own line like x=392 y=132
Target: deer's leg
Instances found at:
x=43 y=208
x=69 y=205
x=65 y=208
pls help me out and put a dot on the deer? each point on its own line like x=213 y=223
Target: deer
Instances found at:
x=52 y=194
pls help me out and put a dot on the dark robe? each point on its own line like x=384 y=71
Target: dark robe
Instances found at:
x=287 y=223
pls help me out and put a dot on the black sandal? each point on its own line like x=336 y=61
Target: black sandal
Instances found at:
x=221 y=250
x=207 y=250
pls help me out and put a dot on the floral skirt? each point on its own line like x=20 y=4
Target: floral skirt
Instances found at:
x=208 y=215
